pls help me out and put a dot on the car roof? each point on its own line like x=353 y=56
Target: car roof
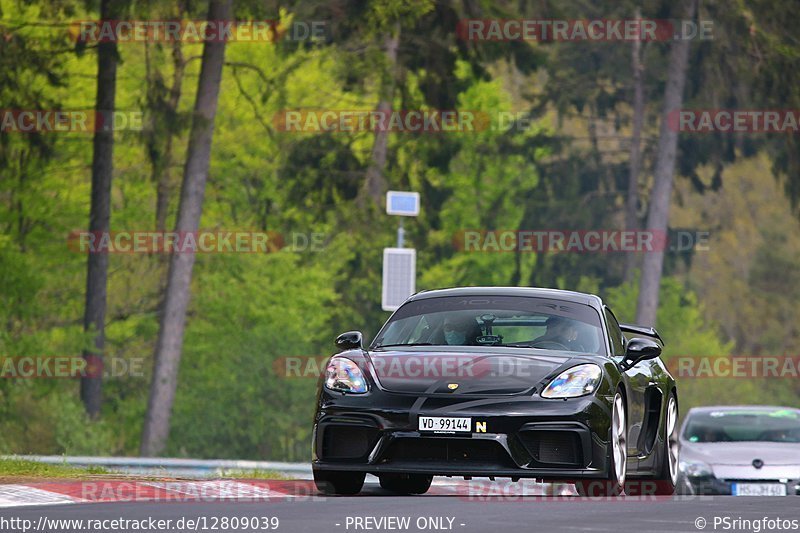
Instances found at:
x=529 y=292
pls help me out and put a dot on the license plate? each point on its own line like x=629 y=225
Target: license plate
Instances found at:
x=442 y=424
x=758 y=489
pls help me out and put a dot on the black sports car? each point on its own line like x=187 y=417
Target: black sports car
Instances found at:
x=498 y=382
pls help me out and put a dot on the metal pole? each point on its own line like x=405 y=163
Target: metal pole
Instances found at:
x=400 y=234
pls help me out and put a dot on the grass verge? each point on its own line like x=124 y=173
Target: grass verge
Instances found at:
x=18 y=469
x=250 y=474
x=14 y=470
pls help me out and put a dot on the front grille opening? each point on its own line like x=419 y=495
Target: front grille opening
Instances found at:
x=560 y=448
x=348 y=442
x=451 y=451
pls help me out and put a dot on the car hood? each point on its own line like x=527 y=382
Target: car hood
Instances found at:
x=741 y=453
x=737 y=460
x=499 y=371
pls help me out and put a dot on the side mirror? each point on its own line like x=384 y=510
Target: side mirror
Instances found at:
x=350 y=340
x=638 y=350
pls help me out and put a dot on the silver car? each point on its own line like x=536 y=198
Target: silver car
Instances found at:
x=740 y=450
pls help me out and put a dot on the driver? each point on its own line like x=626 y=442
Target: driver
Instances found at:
x=559 y=330
x=459 y=331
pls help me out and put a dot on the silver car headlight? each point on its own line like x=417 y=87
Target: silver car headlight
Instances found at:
x=695 y=468
x=573 y=382
x=344 y=375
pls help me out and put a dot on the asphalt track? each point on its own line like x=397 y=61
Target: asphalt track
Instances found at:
x=459 y=512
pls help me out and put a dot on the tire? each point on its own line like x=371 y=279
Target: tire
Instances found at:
x=335 y=483
x=667 y=478
x=614 y=484
x=406 y=483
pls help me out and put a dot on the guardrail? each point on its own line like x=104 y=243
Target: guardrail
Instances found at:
x=172 y=466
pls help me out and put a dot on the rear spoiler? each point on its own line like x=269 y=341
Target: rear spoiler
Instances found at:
x=641 y=330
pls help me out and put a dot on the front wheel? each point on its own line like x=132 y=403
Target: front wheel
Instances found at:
x=406 y=483
x=339 y=483
x=614 y=484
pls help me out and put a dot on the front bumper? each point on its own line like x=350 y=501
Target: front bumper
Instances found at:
x=712 y=486
x=519 y=437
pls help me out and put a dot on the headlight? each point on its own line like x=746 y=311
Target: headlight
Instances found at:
x=573 y=382
x=343 y=375
x=695 y=468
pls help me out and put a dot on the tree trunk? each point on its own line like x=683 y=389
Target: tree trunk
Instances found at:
x=162 y=168
x=658 y=215
x=632 y=200
x=375 y=182
x=176 y=300
x=100 y=216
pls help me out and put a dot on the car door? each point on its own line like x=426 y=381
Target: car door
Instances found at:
x=638 y=379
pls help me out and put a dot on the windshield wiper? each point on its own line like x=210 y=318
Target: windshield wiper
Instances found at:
x=403 y=344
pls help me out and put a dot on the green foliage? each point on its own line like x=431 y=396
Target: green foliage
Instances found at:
x=688 y=334
x=252 y=313
x=52 y=422
x=680 y=320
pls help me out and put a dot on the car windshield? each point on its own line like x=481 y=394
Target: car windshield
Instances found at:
x=522 y=322
x=776 y=425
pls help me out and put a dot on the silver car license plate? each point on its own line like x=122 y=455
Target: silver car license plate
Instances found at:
x=758 y=489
